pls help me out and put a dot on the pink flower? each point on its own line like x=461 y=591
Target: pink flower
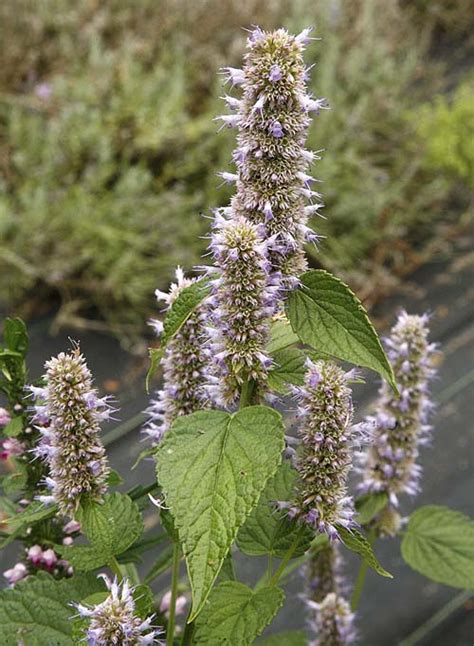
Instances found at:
x=165 y=604
x=15 y=574
x=49 y=558
x=11 y=446
x=35 y=554
x=4 y=417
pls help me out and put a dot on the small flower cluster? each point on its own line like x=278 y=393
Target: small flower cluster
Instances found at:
x=389 y=465
x=184 y=368
x=37 y=558
x=114 y=621
x=11 y=447
x=272 y=118
x=4 y=417
x=326 y=597
x=68 y=414
x=240 y=306
x=334 y=622
x=327 y=437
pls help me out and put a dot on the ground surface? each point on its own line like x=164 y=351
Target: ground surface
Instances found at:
x=390 y=611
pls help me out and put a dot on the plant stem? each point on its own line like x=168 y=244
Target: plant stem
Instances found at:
x=291 y=550
x=245 y=393
x=359 y=584
x=188 y=634
x=174 y=594
x=115 y=567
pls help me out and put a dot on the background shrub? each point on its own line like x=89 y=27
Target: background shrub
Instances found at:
x=109 y=151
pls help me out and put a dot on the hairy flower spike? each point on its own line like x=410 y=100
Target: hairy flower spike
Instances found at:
x=114 y=622
x=334 y=622
x=184 y=368
x=242 y=301
x=70 y=412
x=327 y=436
x=401 y=427
x=324 y=578
x=272 y=119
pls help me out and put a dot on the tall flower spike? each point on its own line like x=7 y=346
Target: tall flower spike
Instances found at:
x=184 y=368
x=242 y=301
x=390 y=463
x=114 y=622
x=70 y=411
x=272 y=118
x=327 y=436
x=326 y=594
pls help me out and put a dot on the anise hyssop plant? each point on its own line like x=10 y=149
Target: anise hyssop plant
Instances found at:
x=254 y=333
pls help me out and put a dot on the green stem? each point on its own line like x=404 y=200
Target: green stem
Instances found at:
x=115 y=567
x=359 y=584
x=246 y=393
x=174 y=594
x=291 y=550
x=188 y=634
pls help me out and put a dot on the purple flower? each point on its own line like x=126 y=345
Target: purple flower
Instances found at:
x=390 y=463
x=70 y=443
x=115 y=621
x=277 y=130
x=184 y=369
x=275 y=73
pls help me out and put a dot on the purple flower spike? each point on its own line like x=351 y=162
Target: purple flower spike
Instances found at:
x=389 y=464
x=70 y=444
x=243 y=300
x=115 y=620
x=272 y=120
x=184 y=369
x=327 y=437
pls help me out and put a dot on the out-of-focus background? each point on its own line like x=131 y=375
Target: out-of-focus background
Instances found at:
x=108 y=161
x=109 y=151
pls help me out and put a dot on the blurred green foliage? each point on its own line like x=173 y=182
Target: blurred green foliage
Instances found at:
x=109 y=150
x=447 y=129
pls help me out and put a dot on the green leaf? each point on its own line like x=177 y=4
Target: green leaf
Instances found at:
x=38 y=610
x=439 y=543
x=356 y=542
x=181 y=309
x=111 y=528
x=212 y=467
x=17 y=480
x=369 y=505
x=281 y=335
x=268 y=531
x=35 y=512
x=14 y=426
x=144 y=599
x=235 y=614
x=114 y=478
x=15 y=335
x=288 y=368
x=156 y=355
x=326 y=315
x=290 y=638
